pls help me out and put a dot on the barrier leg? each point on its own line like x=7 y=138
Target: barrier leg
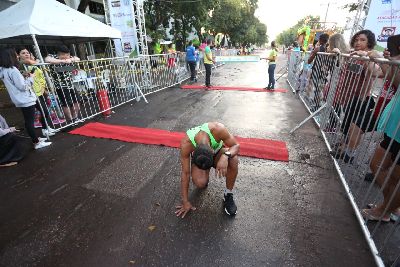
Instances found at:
x=286 y=71
x=141 y=93
x=308 y=118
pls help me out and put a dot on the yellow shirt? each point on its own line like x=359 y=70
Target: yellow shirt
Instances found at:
x=207 y=54
x=272 y=56
x=39 y=82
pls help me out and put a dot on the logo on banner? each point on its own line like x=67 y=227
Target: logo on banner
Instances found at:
x=127 y=47
x=386 y=33
x=386 y=1
x=116 y=3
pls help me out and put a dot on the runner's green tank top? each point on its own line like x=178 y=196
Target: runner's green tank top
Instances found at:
x=191 y=133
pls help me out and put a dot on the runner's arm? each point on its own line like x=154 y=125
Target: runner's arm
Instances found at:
x=229 y=140
x=185 y=173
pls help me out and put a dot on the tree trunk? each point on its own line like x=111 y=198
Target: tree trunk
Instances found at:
x=183 y=32
x=198 y=32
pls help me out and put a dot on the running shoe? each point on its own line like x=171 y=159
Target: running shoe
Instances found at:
x=229 y=204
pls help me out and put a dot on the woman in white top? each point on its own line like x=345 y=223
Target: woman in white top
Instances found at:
x=20 y=91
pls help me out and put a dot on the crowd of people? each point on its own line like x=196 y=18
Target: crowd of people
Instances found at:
x=360 y=111
x=198 y=55
x=28 y=90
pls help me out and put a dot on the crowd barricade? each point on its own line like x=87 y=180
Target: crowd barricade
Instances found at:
x=81 y=90
x=356 y=98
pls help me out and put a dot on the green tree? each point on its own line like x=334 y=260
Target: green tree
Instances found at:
x=236 y=19
x=226 y=17
x=184 y=16
x=157 y=16
x=262 y=36
x=188 y=16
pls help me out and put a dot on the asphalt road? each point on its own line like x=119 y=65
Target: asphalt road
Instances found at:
x=97 y=202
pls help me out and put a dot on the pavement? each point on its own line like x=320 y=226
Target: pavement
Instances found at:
x=97 y=202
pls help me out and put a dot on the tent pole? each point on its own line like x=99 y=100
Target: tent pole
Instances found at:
x=111 y=48
x=74 y=49
x=39 y=55
x=37 y=49
x=46 y=75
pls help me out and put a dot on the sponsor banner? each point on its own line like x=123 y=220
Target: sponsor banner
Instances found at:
x=122 y=18
x=237 y=58
x=383 y=19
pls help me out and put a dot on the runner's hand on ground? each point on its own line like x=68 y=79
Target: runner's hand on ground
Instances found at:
x=184 y=209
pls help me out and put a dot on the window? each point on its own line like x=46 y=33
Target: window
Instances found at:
x=96 y=8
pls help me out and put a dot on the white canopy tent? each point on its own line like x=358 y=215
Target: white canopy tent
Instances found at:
x=50 y=23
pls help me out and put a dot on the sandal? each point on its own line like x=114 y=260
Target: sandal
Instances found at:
x=394 y=216
x=366 y=213
x=13 y=163
x=342 y=155
x=337 y=149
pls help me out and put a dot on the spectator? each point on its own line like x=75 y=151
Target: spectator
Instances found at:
x=203 y=45
x=271 y=66
x=191 y=61
x=20 y=92
x=198 y=58
x=319 y=47
x=10 y=152
x=353 y=96
x=337 y=44
x=389 y=124
x=201 y=53
x=208 y=62
x=321 y=65
x=62 y=78
x=296 y=46
x=39 y=87
x=171 y=55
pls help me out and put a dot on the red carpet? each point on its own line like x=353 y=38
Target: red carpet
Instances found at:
x=225 y=88
x=250 y=147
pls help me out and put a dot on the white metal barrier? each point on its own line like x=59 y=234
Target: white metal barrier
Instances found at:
x=355 y=102
x=82 y=90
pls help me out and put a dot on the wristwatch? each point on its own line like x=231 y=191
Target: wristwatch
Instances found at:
x=228 y=153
